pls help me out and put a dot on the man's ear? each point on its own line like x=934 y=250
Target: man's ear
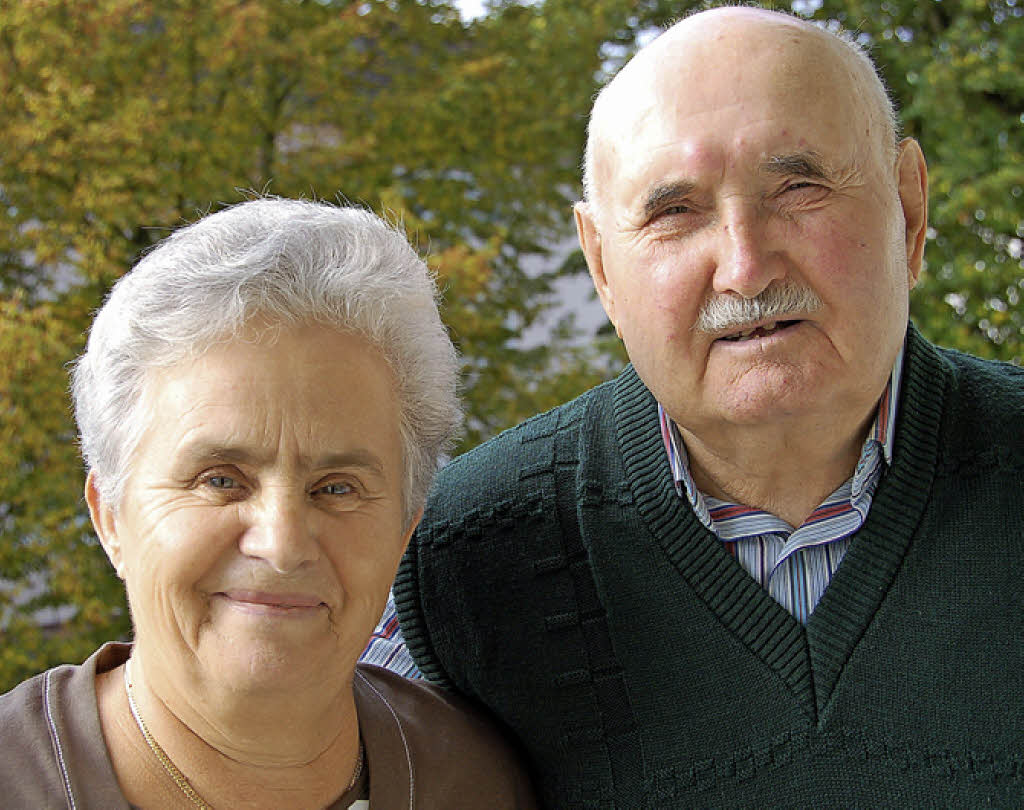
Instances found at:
x=912 y=179
x=590 y=243
x=104 y=520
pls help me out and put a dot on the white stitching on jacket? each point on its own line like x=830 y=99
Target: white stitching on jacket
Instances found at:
x=405 y=742
x=55 y=739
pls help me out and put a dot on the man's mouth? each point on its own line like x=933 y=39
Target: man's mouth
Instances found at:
x=759 y=331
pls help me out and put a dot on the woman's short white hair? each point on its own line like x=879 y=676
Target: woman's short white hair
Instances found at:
x=288 y=262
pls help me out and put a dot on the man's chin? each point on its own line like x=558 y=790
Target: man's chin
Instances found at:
x=769 y=394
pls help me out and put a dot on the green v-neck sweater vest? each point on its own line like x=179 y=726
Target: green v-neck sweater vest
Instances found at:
x=559 y=579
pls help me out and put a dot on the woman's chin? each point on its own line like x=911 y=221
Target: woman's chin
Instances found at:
x=258 y=666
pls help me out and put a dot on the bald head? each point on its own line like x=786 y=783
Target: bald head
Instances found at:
x=699 y=58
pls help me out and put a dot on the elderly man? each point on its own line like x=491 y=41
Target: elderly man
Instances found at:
x=776 y=562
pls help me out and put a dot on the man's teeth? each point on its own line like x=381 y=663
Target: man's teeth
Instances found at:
x=767 y=329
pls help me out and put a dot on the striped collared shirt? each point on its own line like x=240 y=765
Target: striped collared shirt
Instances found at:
x=386 y=647
x=794 y=566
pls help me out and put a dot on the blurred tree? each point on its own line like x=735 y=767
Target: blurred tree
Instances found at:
x=49 y=558
x=126 y=118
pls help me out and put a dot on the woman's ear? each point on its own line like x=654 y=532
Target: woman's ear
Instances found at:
x=104 y=520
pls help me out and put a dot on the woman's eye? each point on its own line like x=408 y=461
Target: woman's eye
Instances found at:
x=335 y=489
x=221 y=482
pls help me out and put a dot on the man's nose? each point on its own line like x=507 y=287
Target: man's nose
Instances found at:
x=281 y=532
x=748 y=259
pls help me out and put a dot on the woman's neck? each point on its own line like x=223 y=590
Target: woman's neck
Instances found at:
x=274 y=759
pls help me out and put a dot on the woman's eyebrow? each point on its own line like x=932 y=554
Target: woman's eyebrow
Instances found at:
x=359 y=457
x=239 y=454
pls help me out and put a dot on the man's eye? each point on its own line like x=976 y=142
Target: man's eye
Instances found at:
x=676 y=209
x=221 y=482
x=801 y=186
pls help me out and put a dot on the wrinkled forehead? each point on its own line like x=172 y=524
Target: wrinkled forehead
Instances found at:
x=719 y=83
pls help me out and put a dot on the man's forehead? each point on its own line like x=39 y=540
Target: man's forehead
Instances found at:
x=709 y=42
x=698 y=103
x=743 y=142
x=689 y=76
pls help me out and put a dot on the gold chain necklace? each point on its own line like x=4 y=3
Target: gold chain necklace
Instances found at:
x=172 y=770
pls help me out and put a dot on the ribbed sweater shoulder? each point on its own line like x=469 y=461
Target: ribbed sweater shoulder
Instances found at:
x=487 y=481
x=983 y=422
x=504 y=487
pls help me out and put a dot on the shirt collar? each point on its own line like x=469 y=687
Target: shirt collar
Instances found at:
x=883 y=430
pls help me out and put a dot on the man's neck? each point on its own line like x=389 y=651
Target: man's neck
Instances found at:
x=787 y=473
x=790 y=465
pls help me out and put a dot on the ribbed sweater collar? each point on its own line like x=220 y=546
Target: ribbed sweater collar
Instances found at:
x=808 y=661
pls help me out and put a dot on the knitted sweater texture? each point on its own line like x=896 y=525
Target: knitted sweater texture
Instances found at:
x=559 y=579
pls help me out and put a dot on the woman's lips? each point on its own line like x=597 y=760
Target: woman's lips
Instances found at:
x=268 y=600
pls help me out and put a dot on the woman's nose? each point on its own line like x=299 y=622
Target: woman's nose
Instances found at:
x=281 y=532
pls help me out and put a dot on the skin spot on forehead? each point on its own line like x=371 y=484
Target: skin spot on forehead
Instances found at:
x=699 y=156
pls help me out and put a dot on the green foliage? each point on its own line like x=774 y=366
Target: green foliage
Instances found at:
x=45 y=537
x=126 y=118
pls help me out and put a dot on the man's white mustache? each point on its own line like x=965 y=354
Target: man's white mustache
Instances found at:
x=777 y=302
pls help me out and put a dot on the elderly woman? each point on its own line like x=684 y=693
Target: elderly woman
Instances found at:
x=262 y=404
